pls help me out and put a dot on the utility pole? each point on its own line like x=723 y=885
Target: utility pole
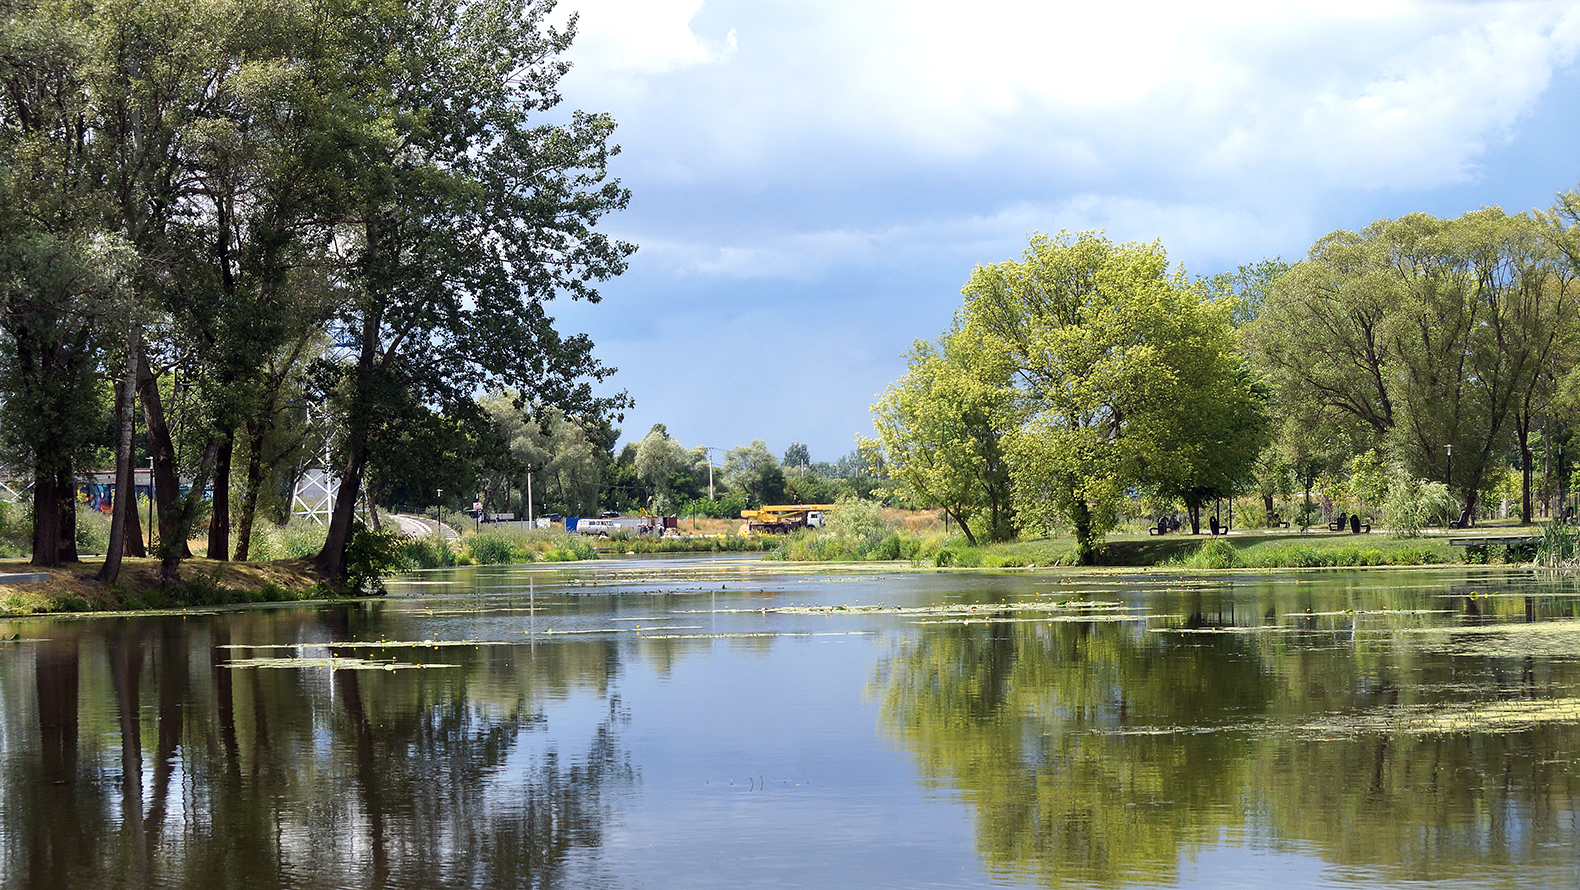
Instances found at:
x=708 y=450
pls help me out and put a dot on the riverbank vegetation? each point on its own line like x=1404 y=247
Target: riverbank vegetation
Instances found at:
x=1419 y=373
x=142 y=586
x=1244 y=550
x=251 y=227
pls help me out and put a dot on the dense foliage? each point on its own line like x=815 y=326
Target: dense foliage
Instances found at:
x=1072 y=376
x=235 y=214
x=1407 y=373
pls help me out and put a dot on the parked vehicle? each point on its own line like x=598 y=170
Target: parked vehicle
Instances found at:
x=601 y=527
x=786 y=518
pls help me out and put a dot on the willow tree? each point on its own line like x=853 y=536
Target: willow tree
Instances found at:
x=1428 y=332
x=466 y=214
x=557 y=462
x=1125 y=373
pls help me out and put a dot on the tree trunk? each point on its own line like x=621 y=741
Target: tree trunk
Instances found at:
x=170 y=555
x=133 y=539
x=331 y=560
x=125 y=481
x=66 y=490
x=167 y=488
x=970 y=538
x=370 y=503
x=1526 y=459
x=1081 y=518
x=219 y=520
x=46 y=517
x=249 y=494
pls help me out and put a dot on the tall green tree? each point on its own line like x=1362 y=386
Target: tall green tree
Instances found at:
x=658 y=459
x=566 y=462
x=1114 y=359
x=753 y=471
x=466 y=214
x=944 y=429
x=64 y=272
x=1430 y=333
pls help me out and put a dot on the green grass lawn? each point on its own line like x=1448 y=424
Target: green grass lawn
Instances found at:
x=1256 y=549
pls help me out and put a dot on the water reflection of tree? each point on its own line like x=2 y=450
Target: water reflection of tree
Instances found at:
x=1444 y=807
x=1096 y=754
x=1023 y=719
x=292 y=778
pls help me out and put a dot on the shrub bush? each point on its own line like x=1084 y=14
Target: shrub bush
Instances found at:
x=1214 y=553
x=93 y=532
x=1558 y=545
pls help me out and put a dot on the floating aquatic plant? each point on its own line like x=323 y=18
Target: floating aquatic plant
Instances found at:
x=332 y=663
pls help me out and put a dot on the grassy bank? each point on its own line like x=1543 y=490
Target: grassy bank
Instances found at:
x=203 y=582
x=687 y=544
x=1241 y=550
x=206 y=582
x=492 y=546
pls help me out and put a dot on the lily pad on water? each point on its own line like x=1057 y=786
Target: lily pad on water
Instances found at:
x=1042 y=619
x=1413 y=720
x=740 y=636
x=1259 y=629
x=333 y=664
x=1080 y=608
x=1501 y=716
x=370 y=644
x=1504 y=640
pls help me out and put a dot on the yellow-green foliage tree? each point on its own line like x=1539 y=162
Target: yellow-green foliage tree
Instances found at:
x=943 y=429
x=1125 y=375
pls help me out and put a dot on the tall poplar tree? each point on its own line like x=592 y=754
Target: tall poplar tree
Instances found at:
x=467 y=214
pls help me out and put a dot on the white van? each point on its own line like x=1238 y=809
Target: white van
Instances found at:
x=601 y=527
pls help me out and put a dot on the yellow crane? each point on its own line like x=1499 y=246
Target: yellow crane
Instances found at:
x=784 y=518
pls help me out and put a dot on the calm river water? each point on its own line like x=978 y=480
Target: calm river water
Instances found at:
x=724 y=722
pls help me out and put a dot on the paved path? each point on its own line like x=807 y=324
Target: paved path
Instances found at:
x=421 y=526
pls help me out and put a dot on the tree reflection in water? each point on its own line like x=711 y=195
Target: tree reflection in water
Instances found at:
x=124 y=767
x=1103 y=754
x=1019 y=717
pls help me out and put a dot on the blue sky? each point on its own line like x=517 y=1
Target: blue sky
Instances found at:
x=813 y=181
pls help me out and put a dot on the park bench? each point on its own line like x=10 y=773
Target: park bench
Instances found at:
x=1350 y=522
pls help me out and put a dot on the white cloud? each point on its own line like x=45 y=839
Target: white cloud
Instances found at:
x=791 y=159
x=1349 y=95
x=1206 y=237
x=642 y=37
